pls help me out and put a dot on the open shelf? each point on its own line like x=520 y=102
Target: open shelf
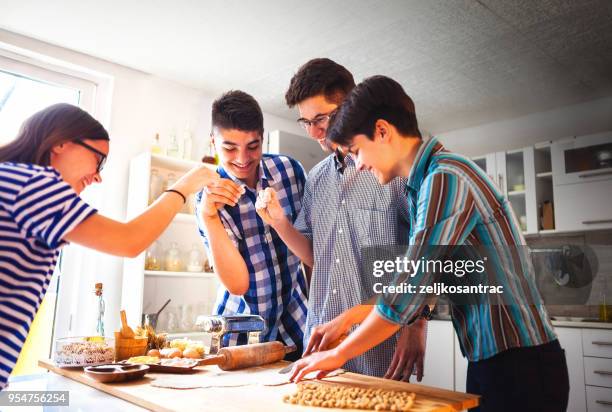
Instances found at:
x=174 y=163
x=179 y=274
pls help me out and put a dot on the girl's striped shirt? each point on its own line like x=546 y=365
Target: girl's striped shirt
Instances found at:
x=37 y=209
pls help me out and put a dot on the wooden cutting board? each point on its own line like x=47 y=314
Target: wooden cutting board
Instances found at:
x=256 y=397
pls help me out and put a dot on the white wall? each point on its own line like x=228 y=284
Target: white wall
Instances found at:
x=138 y=106
x=576 y=120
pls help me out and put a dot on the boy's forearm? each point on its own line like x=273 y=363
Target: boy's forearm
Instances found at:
x=356 y=314
x=373 y=330
x=228 y=263
x=296 y=242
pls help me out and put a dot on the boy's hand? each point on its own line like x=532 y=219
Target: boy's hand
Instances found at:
x=269 y=208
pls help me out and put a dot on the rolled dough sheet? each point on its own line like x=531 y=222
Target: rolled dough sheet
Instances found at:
x=225 y=379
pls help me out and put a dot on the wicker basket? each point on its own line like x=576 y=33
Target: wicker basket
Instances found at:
x=127 y=347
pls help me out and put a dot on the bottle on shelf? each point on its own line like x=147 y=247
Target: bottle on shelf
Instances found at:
x=173 y=262
x=100 y=308
x=173 y=147
x=605 y=310
x=211 y=157
x=156 y=147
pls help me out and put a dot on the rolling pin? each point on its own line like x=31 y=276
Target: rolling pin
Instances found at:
x=246 y=356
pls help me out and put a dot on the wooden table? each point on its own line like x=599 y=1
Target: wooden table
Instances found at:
x=257 y=397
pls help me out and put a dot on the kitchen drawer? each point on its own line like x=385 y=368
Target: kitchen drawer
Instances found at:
x=597 y=342
x=598 y=371
x=599 y=399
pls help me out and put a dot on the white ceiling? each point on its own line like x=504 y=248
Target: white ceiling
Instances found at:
x=464 y=62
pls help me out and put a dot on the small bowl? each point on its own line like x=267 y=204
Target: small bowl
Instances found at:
x=116 y=372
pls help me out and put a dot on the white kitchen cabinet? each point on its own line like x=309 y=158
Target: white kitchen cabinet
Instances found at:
x=513 y=172
x=145 y=291
x=597 y=348
x=582 y=172
x=570 y=339
x=582 y=159
x=583 y=206
x=439 y=355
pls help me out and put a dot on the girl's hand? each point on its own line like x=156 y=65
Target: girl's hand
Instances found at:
x=196 y=179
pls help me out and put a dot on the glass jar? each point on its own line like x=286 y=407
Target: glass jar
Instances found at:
x=172 y=324
x=173 y=262
x=194 y=263
x=153 y=259
x=187 y=318
x=156 y=185
x=173 y=147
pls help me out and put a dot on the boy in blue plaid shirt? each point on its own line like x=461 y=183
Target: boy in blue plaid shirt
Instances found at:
x=258 y=273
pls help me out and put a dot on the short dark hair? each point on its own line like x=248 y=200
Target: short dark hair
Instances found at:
x=320 y=76
x=377 y=97
x=237 y=110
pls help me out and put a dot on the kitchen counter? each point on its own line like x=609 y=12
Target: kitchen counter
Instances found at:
x=254 y=397
x=582 y=324
x=562 y=322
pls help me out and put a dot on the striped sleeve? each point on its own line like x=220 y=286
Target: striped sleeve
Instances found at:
x=446 y=214
x=47 y=208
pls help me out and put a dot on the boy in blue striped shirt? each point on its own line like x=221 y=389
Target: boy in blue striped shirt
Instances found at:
x=515 y=360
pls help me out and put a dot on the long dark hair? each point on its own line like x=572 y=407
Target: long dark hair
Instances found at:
x=47 y=128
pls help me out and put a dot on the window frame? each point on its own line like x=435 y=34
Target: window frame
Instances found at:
x=96 y=91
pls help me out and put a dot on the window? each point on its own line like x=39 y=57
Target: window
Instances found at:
x=25 y=88
x=21 y=96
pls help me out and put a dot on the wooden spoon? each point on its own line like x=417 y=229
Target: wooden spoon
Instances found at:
x=126 y=331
